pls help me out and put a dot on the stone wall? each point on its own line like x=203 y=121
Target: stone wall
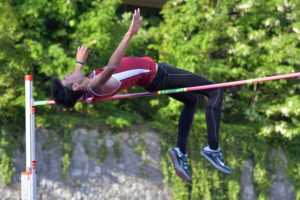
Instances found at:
x=129 y=169
x=281 y=188
x=106 y=165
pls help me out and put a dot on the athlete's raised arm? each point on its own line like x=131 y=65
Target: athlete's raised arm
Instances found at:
x=118 y=54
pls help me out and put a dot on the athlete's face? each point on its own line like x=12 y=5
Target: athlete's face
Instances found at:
x=72 y=78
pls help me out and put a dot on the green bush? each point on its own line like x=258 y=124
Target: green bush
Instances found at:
x=220 y=40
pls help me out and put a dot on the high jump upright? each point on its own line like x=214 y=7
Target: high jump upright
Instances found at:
x=28 y=178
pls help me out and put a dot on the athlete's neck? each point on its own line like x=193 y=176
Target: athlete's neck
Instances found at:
x=84 y=84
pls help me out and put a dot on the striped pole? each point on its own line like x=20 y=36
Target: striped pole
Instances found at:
x=188 y=89
x=28 y=178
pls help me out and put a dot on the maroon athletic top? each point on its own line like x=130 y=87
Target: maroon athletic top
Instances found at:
x=131 y=71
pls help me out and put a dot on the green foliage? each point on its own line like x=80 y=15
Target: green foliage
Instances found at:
x=66 y=143
x=41 y=38
x=102 y=152
x=140 y=148
x=232 y=40
x=8 y=144
x=220 y=40
x=117 y=147
x=6 y=167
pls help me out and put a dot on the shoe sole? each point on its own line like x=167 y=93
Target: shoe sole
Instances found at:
x=182 y=174
x=214 y=165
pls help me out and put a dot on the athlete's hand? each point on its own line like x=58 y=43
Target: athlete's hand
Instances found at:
x=82 y=54
x=81 y=57
x=135 y=23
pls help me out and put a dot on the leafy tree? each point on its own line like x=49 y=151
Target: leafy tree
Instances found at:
x=40 y=37
x=221 y=40
x=233 y=40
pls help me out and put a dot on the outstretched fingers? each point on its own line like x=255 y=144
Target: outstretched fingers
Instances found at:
x=82 y=53
x=136 y=22
x=136 y=14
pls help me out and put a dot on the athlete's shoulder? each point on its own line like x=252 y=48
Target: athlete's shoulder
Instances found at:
x=95 y=72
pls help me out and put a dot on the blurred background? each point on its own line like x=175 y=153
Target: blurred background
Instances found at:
x=118 y=149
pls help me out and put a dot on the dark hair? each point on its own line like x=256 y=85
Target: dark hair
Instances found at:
x=63 y=95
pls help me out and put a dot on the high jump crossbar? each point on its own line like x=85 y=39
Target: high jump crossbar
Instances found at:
x=187 y=89
x=29 y=178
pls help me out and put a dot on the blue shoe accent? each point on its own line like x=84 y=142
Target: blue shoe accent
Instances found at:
x=215 y=158
x=180 y=164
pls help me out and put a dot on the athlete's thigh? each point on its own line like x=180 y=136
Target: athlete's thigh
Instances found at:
x=188 y=98
x=183 y=81
x=170 y=70
x=182 y=78
x=179 y=78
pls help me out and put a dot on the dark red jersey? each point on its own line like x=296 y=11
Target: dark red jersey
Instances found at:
x=131 y=71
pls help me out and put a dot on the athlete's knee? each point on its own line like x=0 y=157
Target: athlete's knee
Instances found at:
x=221 y=92
x=217 y=93
x=215 y=99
